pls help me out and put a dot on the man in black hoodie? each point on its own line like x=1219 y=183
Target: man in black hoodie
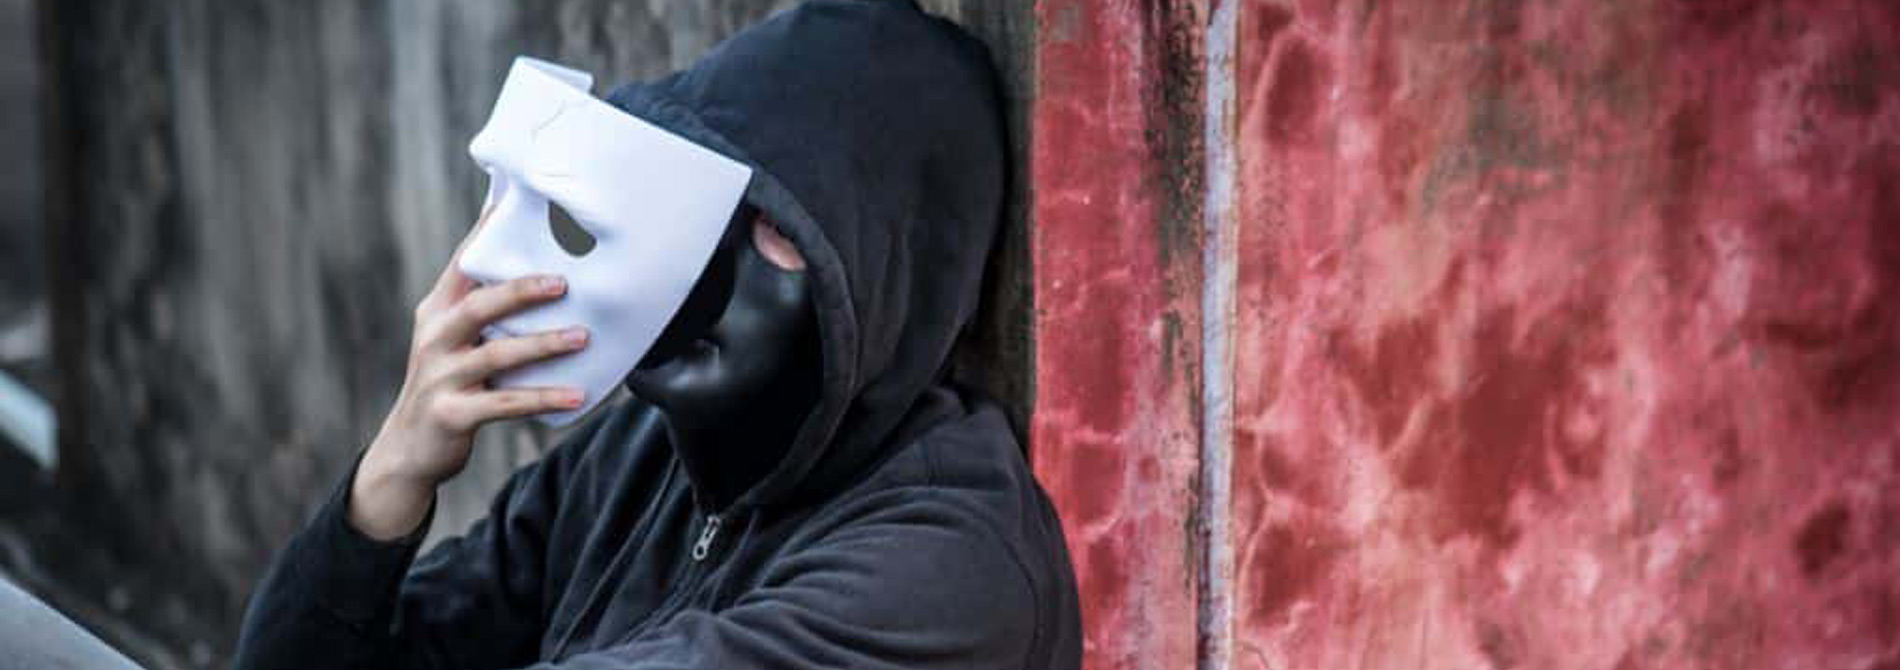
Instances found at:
x=796 y=488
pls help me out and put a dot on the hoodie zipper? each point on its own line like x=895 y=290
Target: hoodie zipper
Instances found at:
x=687 y=584
x=684 y=589
x=614 y=568
x=706 y=534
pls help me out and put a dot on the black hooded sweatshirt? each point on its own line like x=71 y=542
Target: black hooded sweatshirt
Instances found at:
x=902 y=527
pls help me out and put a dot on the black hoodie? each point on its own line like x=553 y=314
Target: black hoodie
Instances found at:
x=901 y=529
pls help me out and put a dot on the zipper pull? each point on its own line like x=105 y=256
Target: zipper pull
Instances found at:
x=704 y=545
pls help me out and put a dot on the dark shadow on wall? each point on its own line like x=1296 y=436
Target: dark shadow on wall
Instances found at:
x=997 y=353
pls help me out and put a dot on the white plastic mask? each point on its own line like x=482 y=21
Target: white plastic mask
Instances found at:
x=654 y=203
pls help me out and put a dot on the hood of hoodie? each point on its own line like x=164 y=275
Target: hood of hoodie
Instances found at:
x=878 y=148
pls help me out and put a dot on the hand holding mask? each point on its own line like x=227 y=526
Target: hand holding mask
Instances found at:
x=521 y=324
x=654 y=205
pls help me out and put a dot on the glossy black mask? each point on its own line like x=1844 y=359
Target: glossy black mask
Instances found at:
x=737 y=370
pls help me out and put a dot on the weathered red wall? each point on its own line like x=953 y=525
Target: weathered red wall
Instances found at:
x=1568 y=335
x=1115 y=244
x=1564 y=334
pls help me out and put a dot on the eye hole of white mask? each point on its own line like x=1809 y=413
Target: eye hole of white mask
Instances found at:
x=574 y=239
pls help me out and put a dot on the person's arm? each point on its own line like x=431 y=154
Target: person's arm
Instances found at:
x=906 y=579
x=331 y=599
x=337 y=598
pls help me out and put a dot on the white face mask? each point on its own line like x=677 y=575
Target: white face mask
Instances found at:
x=654 y=203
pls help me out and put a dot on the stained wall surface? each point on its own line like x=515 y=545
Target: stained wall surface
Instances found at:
x=1115 y=230
x=1548 y=334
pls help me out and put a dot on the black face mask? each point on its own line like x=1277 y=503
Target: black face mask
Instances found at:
x=739 y=369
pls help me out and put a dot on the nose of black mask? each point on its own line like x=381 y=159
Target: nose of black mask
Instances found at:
x=709 y=295
x=735 y=399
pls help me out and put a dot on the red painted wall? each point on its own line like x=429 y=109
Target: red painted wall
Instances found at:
x=1568 y=335
x=1564 y=334
x=1115 y=425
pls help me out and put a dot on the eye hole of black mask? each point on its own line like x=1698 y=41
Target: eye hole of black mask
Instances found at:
x=574 y=239
x=707 y=301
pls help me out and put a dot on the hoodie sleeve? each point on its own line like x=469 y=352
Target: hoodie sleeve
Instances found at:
x=336 y=598
x=910 y=579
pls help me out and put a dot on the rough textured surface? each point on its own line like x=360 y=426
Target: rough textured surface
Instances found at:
x=1116 y=247
x=1567 y=335
x=1563 y=334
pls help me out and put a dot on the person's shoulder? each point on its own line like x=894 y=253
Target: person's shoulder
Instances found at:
x=918 y=567
x=973 y=538
x=967 y=529
x=971 y=461
x=975 y=451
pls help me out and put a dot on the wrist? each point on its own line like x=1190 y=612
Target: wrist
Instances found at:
x=386 y=503
x=386 y=466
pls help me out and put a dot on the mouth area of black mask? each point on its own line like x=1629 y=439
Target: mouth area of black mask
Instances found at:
x=708 y=298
